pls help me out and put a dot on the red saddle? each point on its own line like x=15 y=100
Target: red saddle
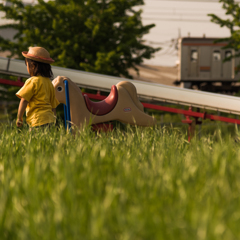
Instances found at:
x=105 y=106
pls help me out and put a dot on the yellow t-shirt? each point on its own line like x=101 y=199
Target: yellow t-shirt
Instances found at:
x=40 y=94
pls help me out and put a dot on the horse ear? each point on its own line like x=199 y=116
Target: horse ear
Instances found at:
x=57 y=79
x=61 y=79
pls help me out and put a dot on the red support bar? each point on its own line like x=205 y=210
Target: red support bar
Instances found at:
x=95 y=96
x=192 y=114
x=18 y=83
x=222 y=119
x=174 y=110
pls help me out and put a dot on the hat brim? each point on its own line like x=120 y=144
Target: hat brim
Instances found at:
x=38 y=59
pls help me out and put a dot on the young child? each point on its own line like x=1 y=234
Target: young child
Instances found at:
x=37 y=95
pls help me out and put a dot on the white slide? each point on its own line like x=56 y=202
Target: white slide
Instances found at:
x=154 y=91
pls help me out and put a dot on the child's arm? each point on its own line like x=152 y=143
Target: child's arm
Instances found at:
x=54 y=111
x=21 y=109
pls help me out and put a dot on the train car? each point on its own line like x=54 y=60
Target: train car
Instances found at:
x=201 y=65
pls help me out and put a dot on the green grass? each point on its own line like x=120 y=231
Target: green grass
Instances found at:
x=133 y=184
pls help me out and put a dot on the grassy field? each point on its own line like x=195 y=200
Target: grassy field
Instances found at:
x=133 y=184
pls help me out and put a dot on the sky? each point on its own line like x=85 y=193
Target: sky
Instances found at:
x=174 y=19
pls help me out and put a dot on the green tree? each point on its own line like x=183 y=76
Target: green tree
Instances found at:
x=8 y=97
x=232 y=22
x=103 y=36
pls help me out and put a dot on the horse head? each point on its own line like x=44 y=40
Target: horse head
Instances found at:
x=78 y=109
x=59 y=86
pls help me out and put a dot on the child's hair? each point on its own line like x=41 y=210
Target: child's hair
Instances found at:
x=39 y=68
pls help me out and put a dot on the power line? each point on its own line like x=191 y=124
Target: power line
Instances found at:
x=179 y=13
x=177 y=20
x=166 y=43
x=207 y=1
x=177 y=8
x=182 y=7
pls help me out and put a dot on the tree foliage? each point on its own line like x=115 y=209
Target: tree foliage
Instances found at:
x=232 y=22
x=104 y=36
x=8 y=97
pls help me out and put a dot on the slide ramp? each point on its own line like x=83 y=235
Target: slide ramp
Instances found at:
x=151 y=91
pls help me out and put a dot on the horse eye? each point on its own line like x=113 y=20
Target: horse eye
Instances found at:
x=59 y=89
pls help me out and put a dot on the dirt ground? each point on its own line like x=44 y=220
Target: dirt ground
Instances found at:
x=4 y=54
x=156 y=74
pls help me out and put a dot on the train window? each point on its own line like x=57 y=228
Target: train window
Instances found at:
x=228 y=54
x=216 y=55
x=194 y=55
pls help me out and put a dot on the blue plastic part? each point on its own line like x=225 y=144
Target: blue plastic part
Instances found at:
x=67 y=108
x=65 y=115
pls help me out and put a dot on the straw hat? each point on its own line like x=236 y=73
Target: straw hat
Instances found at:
x=38 y=54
